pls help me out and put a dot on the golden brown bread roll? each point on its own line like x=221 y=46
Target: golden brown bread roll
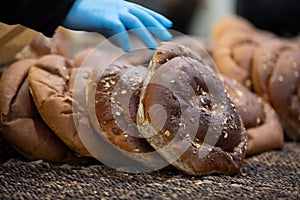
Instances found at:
x=275 y=73
x=185 y=114
x=51 y=79
x=21 y=125
x=263 y=127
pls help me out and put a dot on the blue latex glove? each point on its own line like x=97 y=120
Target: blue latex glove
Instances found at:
x=110 y=17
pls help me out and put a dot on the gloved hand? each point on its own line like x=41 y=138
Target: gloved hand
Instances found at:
x=110 y=17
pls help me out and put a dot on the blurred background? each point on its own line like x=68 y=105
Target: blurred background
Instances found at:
x=191 y=16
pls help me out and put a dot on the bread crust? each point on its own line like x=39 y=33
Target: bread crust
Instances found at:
x=276 y=78
x=235 y=48
x=263 y=127
x=50 y=80
x=112 y=101
x=176 y=89
x=21 y=125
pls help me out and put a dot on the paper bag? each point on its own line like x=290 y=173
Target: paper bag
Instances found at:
x=12 y=40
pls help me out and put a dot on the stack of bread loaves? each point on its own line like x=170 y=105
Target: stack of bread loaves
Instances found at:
x=22 y=126
x=266 y=64
x=37 y=116
x=167 y=105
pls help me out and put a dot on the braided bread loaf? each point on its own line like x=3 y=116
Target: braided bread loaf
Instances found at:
x=185 y=114
x=234 y=48
x=275 y=73
x=263 y=127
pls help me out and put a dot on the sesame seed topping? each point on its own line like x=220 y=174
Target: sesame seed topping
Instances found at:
x=239 y=93
x=172 y=81
x=167 y=133
x=248 y=82
x=106 y=85
x=196 y=145
x=118 y=114
x=210 y=149
x=192 y=120
x=123 y=92
x=225 y=135
x=112 y=100
x=202 y=100
x=258 y=120
x=140 y=79
x=137 y=150
x=112 y=82
x=294 y=65
x=296 y=74
x=280 y=78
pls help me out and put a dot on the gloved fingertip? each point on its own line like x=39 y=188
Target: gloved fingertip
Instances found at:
x=152 y=45
x=168 y=23
x=126 y=48
x=123 y=41
x=166 y=36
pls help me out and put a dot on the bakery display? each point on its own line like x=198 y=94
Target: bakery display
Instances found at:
x=263 y=128
x=21 y=125
x=185 y=114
